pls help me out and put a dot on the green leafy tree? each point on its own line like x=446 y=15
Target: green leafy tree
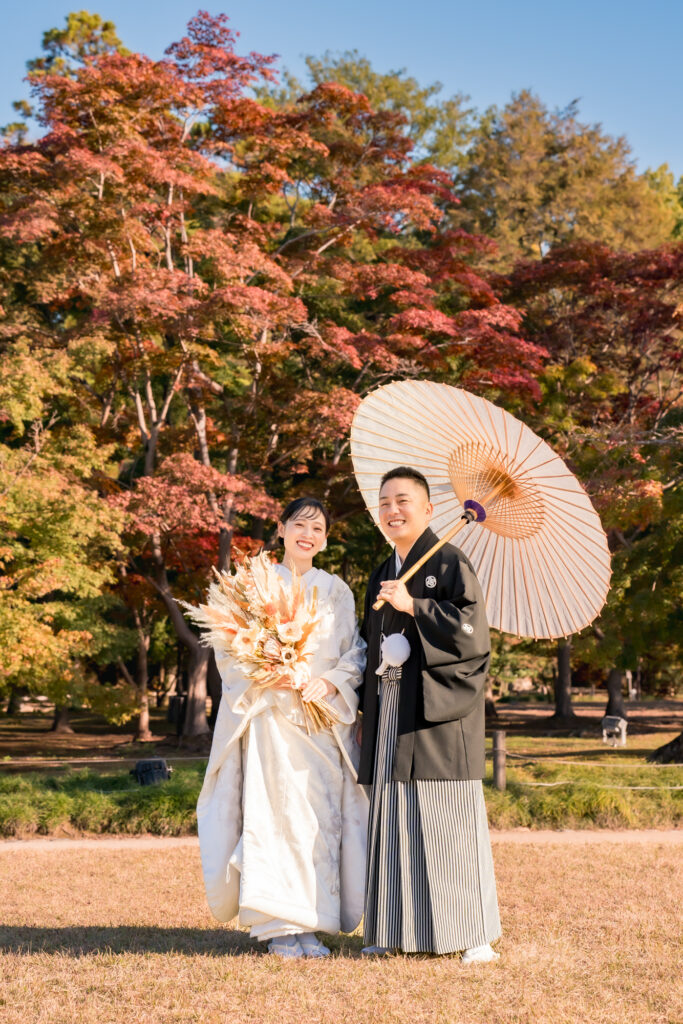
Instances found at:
x=83 y=37
x=535 y=178
x=59 y=541
x=440 y=129
x=670 y=193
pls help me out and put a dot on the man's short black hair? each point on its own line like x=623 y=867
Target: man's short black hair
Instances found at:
x=408 y=473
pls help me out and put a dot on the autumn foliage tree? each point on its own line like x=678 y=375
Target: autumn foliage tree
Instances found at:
x=59 y=610
x=227 y=279
x=611 y=322
x=203 y=273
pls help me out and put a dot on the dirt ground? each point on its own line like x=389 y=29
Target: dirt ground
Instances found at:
x=643 y=716
x=519 y=836
x=29 y=736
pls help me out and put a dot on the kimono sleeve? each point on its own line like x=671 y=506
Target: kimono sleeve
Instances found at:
x=237 y=691
x=347 y=673
x=364 y=634
x=457 y=647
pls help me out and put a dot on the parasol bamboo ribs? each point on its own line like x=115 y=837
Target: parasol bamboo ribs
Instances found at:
x=540 y=552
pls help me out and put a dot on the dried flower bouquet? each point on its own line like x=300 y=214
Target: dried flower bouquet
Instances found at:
x=266 y=625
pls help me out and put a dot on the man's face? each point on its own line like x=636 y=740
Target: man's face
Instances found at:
x=404 y=510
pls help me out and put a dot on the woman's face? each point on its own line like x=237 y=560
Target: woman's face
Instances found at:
x=303 y=534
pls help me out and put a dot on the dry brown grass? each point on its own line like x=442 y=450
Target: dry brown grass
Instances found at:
x=592 y=934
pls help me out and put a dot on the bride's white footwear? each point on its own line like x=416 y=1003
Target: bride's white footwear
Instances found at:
x=480 y=955
x=286 y=946
x=312 y=946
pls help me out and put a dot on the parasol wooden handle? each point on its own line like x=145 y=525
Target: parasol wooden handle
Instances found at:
x=460 y=525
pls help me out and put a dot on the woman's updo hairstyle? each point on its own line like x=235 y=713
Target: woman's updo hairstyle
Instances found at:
x=306 y=508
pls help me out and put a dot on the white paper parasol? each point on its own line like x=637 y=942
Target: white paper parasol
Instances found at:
x=522 y=518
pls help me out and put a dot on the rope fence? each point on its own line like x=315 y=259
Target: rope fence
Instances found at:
x=500 y=757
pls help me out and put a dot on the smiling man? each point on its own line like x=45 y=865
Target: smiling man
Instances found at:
x=430 y=883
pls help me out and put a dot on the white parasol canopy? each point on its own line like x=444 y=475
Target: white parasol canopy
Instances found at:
x=534 y=539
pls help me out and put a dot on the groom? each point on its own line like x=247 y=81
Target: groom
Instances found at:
x=430 y=883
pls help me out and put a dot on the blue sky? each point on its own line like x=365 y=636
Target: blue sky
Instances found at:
x=622 y=60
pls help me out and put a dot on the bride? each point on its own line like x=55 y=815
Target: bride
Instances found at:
x=281 y=821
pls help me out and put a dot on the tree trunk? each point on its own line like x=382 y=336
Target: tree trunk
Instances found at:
x=14 y=702
x=60 y=723
x=196 y=724
x=168 y=678
x=489 y=703
x=139 y=684
x=226 y=534
x=143 y=733
x=490 y=709
x=615 y=698
x=224 y=549
x=669 y=753
x=562 y=683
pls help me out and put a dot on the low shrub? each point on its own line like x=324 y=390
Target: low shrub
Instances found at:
x=89 y=802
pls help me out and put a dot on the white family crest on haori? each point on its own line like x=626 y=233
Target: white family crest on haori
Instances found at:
x=430 y=582
x=525 y=522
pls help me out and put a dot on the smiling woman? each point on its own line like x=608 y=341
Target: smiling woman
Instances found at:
x=281 y=821
x=303 y=532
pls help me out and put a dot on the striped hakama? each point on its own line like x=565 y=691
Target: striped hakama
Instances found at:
x=430 y=886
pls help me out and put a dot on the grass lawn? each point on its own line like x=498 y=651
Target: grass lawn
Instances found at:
x=591 y=936
x=88 y=801
x=576 y=782
x=553 y=782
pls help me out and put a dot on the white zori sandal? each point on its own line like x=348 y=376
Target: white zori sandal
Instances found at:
x=480 y=955
x=286 y=946
x=312 y=946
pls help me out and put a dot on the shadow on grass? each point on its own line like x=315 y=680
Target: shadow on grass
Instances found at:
x=589 y=753
x=86 y=940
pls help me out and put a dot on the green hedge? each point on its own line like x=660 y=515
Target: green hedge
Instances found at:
x=88 y=802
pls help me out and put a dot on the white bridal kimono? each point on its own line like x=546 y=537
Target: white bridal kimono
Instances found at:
x=282 y=823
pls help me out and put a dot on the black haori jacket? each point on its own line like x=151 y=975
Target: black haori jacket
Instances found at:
x=441 y=702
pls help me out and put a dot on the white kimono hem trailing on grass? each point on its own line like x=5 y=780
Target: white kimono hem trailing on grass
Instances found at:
x=282 y=823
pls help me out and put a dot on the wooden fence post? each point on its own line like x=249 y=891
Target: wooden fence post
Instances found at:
x=499 y=759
